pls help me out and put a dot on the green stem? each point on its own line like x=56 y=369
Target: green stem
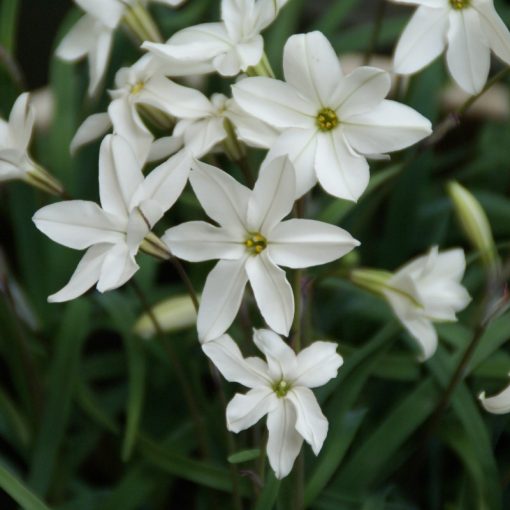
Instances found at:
x=263 y=68
x=378 y=21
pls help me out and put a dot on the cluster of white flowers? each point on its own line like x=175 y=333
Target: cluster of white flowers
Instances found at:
x=319 y=125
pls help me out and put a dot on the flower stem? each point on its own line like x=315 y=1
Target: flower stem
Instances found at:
x=179 y=372
x=263 y=68
x=138 y=20
x=379 y=17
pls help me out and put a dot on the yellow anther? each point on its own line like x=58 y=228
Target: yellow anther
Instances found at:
x=256 y=243
x=459 y=4
x=327 y=119
x=136 y=89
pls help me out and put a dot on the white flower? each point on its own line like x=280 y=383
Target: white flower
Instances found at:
x=112 y=233
x=229 y=46
x=468 y=29
x=428 y=290
x=251 y=243
x=329 y=121
x=140 y=86
x=15 y=160
x=201 y=122
x=279 y=388
x=498 y=404
x=92 y=35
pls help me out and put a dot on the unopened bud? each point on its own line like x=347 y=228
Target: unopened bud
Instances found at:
x=38 y=177
x=474 y=222
x=373 y=280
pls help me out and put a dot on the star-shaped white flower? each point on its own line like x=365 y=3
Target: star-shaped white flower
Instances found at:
x=229 y=46
x=251 y=243
x=467 y=29
x=279 y=388
x=92 y=35
x=329 y=121
x=428 y=290
x=112 y=234
x=15 y=160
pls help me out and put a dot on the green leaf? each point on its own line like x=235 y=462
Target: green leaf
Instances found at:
x=244 y=456
x=61 y=388
x=269 y=494
x=19 y=492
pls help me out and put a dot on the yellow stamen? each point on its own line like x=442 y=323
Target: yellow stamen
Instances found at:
x=459 y=4
x=327 y=119
x=136 y=89
x=256 y=243
x=281 y=388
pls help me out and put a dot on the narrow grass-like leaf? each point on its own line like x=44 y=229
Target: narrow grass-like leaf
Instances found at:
x=269 y=494
x=244 y=456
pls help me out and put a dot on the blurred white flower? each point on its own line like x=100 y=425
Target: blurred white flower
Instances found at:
x=92 y=35
x=428 y=290
x=251 y=243
x=329 y=122
x=15 y=160
x=467 y=29
x=498 y=404
x=112 y=234
x=279 y=388
x=229 y=46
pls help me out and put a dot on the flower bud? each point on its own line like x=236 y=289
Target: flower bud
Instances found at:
x=173 y=314
x=474 y=222
x=38 y=177
x=153 y=245
x=373 y=280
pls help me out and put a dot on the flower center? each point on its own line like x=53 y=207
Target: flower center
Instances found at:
x=459 y=4
x=256 y=243
x=281 y=388
x=137 y=88
x=327 y=119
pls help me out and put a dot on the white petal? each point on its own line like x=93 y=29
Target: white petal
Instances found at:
x=274 y=102
x=250 y=52
x=311 y=66
x=228 y=63
x=99 y=57
x=21 y=121
x=164 y=147
x=200 y=137
x=243 y=411
x=128 y=124
x=118 y=267
x=165 y=183
x=119 y=175
x=341 y=172
x=499 y=404
x=422 y=330
x=494 y=30
x=198 y=43
x=272 y=291
x=281 y=359
x=93 y=128
x=423 y=40
x=221 y=298
x=427 y=3
x=388 y=127
x=300 y=243
x=223 y=198
x=78 y=41
x=196 y=241
x=273 y=195
x=186 y=102
x=228 y=359
x=360 y=91
x=78 y=224
x=85 y=276
x=468 y=55
x=317 y=364
x=284 y=442
x=310 y=423
x=108 y=12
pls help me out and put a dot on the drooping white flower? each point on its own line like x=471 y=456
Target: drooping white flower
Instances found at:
x=112 y=234
x=426 y=290
x=251 y=243
x=15 y=160
x=467 y=29
x=280 y=389
x=229 y=46
x=92 y=35
x=329 y=121
x=498 y=404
